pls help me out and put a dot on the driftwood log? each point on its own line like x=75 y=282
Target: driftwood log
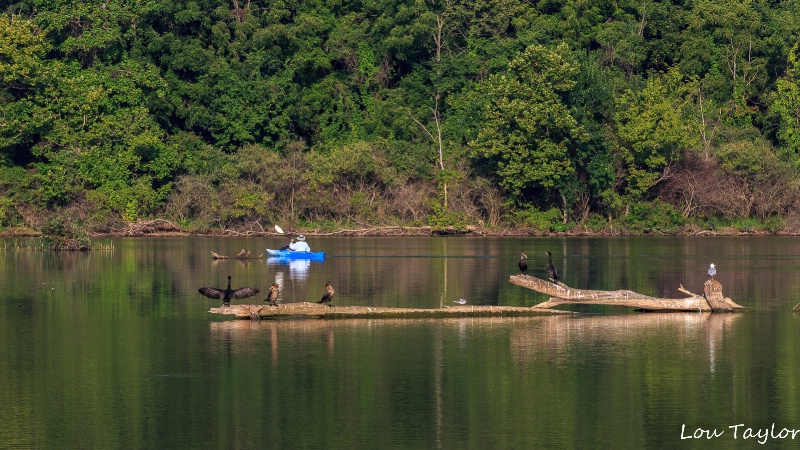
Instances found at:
x=711 y=300
x=323 y=311
x=244 y=254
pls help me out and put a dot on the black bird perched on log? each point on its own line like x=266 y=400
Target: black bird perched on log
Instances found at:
x=712 y=271
x=523 y=263
x=328 y=295
x=227 y=294
x=551 y=269
x=272 y=297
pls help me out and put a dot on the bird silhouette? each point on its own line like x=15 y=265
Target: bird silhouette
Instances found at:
x=523 y=263
x=328 y=295
x=712 y=270
x=551 y=269
x=227 y=294
x=461 y=301
x=272 y=297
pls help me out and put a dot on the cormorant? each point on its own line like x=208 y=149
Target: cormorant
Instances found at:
x=328 y=295
x=227 y=294
x=523 y=264
x=551 y=269
x=712 y=271
x=272 y=297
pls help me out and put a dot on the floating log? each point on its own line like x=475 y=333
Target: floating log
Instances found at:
x=323 y=311
x=560 y=294
x=243 y=254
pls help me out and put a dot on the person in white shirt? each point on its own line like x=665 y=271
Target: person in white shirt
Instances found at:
x=299 y=245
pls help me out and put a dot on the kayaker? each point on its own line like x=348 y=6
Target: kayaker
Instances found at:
x=299 y=245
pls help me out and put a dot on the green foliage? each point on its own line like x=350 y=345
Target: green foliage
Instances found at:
x=527 y=129
x=542 y=221
x=22 y=56
x=653 y=132
x=242 y=201
x=786 y=103
x=360 y=164
x=444 y=221
x=654 y=217
x=8 y=214
x=363 y=207
x=23 y=69
x=596 y=223
x=772 y=224
x=60 y=233
x=731 y=51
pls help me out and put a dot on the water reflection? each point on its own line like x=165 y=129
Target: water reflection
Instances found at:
x=118 y=349
x=298 y=268
x=246 y=337
x=559 y=336
x=238 y=261
x=548 y=375
x=553 y=337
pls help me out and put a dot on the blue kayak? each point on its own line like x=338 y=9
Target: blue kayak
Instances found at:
x=288 y=254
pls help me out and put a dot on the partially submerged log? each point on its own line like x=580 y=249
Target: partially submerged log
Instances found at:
x=243 y=254
x=323 y=311
x=560 y=294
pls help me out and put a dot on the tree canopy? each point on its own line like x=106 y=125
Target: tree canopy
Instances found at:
x=548 y=114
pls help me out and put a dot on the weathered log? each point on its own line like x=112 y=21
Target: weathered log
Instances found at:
x=323 y=311
x=562 y=294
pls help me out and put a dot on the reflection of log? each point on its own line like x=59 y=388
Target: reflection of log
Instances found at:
x=555 y=338
x=243 y=254
x=562 y=294
x=317 y=310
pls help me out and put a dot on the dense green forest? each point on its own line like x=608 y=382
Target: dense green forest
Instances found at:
x=574 y=115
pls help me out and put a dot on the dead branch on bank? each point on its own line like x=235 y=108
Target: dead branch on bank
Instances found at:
x=147 y=227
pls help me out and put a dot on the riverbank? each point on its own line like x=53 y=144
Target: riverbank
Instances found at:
x=162 y=227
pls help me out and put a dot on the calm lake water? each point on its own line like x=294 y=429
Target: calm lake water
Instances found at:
x=116 y=348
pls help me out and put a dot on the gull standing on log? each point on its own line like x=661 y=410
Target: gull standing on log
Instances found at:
x=712 y=271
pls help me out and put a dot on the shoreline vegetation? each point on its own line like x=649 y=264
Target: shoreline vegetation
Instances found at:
x=163 y=227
